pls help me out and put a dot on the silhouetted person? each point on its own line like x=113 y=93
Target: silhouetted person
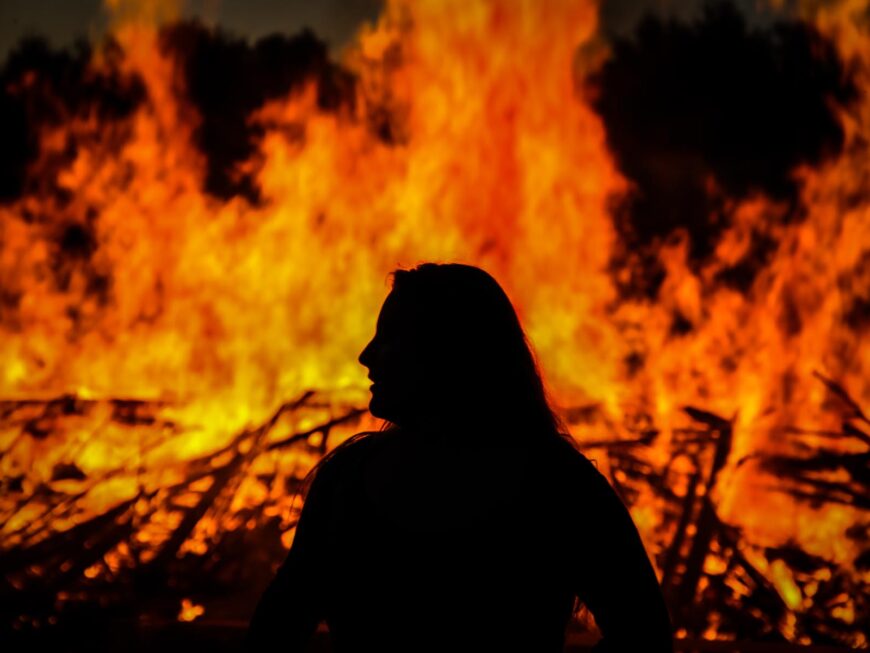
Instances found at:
x=470 y=523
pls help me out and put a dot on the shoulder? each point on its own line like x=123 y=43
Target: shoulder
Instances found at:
x=565 y=454
x=358 y=446
x=573 y=472
x=347 y=456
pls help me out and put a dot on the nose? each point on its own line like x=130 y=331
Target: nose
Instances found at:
x=366 y=354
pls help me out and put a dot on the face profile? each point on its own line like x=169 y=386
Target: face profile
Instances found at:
x=448 y=350
x=391 y=359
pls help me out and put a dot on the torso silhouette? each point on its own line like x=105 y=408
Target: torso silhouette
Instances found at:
x=410 y=544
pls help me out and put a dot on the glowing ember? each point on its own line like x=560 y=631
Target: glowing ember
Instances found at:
x=190 y=610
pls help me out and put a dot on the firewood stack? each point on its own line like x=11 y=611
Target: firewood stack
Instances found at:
x=209 y=531
x=165 y=541
x=718 y=583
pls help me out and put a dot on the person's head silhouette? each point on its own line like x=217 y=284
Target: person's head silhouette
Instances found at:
x=449 y=352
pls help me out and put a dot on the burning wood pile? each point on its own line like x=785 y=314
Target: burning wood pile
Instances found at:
x=193 y=530
x=719 y=583
x=201 y=535
x=195 y=228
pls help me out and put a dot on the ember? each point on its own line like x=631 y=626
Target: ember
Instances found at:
x=195 y=233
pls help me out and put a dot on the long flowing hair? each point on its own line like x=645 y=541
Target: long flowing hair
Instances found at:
x=462 y=318
x=474 y=344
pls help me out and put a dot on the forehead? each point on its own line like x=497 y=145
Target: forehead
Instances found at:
x=390 y=312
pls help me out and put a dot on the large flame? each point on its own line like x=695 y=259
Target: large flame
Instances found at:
x=215 y=313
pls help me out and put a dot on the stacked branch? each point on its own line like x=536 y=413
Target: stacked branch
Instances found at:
x=713 y=578
x=44 y=567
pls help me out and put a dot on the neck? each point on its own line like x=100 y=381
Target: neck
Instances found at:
x=466 y=433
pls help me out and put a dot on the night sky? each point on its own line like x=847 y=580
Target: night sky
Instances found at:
x=62 y=21
x=335 y=21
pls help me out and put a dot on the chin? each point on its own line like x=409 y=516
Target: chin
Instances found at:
x=381 y=409
x=377 y=408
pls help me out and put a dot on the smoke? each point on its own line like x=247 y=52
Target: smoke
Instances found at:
x=701 y=114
